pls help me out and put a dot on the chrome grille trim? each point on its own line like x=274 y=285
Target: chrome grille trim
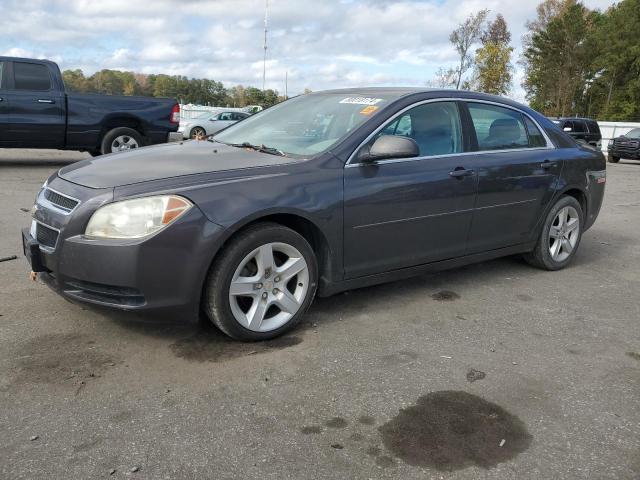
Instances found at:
x=57 y=201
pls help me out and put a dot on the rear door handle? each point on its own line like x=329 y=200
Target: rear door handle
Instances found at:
x=45 y=100
x=548 y=164
x=461 y=172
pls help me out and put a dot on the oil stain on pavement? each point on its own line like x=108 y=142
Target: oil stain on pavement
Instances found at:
x=55 y=358
x=445 y=296
x=208 y=345
x=451 y=430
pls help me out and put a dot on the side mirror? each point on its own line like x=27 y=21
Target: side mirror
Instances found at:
x=390 y=146
x=567 y=129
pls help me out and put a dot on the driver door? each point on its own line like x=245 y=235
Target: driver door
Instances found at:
x=404 y=212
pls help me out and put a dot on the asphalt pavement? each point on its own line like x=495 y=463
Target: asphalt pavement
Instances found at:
x=491 y=371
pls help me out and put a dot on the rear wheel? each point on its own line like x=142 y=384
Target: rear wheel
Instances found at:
x=121 y=139
x=560 y=236
x=262 y=283
x=613 y=159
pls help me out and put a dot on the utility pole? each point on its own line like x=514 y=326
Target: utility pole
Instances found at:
x=264 y=61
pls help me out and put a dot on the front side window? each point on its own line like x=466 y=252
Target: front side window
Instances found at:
x=434 y=126
x=31 y=76
x=498 y=128
x=225 y=116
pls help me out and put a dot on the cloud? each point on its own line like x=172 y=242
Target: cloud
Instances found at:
x=325 y=44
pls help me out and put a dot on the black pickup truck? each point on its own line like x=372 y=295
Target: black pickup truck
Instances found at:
x=36 y=112
x=625 y=146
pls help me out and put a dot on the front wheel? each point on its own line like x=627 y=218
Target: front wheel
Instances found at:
x=197 y=133
x=613 y=159
x=560 y=236
x=262 y=283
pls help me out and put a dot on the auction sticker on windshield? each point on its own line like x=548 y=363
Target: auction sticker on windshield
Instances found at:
x=361 y=100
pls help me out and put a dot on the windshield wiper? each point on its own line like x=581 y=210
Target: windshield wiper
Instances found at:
x=260 y=148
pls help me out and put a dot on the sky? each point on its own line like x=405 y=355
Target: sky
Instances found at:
x=319 y=44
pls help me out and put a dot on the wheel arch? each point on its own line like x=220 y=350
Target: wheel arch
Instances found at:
x=121 y=120
x=580 y=195
x=296 y=221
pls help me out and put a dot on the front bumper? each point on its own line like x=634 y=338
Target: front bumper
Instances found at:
x=165 y=270
x=628 y=154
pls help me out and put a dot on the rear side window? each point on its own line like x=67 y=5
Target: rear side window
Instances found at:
x=1 y=75
x=498 y=128
x=31 y=76
x=434 y=126
x=593 y=127
x=579 y=126
x=536 y=139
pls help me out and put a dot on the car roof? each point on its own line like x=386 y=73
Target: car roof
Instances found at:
x=400 y=92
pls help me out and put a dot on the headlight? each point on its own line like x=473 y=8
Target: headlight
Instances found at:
x=136 y=218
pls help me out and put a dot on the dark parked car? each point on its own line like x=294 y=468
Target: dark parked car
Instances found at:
x=322 y=193
x=582 y=129
x=625 y=146
x=36 y=112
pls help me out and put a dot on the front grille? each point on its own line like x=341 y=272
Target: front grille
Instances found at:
x=60 y=201
x=46 y=236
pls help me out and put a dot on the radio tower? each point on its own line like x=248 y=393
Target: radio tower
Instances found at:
x=264 y=60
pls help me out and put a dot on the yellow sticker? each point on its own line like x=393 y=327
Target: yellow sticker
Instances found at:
x=368 y=110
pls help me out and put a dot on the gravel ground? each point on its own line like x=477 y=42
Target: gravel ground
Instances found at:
x=492 y=371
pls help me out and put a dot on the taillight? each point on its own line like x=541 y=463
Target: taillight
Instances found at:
x=175 y=114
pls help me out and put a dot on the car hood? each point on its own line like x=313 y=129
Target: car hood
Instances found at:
x=165 y=161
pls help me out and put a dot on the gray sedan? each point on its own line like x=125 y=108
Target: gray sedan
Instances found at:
x=209 y=123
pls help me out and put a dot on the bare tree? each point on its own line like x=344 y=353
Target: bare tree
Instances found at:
x=444 y=78
x=464 y=37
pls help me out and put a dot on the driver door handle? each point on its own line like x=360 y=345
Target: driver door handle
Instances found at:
x=548 y=164
x=461 y=172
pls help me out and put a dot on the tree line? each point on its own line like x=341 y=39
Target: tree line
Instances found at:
x=199 y=91
x=576 y=61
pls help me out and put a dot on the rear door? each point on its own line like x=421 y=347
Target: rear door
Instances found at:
x=36 y=117
x=4 y=106
x=517 y=169
x=404 y=212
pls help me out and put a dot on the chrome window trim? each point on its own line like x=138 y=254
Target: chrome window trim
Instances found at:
x=46 y=203
x=549 y=144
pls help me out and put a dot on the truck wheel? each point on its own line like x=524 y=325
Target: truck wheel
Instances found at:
x=613 y=159
x=121 y=139
x=262 y=283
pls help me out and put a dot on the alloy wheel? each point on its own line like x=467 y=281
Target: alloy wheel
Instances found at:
x=123 y=143
x=564 y=233
x=268 y=287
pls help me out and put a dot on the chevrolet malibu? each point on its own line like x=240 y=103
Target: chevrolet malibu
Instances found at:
x=319 y=194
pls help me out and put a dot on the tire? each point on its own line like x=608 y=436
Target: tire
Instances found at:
x=125 y=136
x=613 y=159
x=542 y=255
x=197 y=132
x=260 y=314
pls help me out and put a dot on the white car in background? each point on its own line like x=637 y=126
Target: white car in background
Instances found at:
x=209 y=123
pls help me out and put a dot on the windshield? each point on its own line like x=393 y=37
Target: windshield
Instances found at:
x=305 y=125
x=635 y=133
